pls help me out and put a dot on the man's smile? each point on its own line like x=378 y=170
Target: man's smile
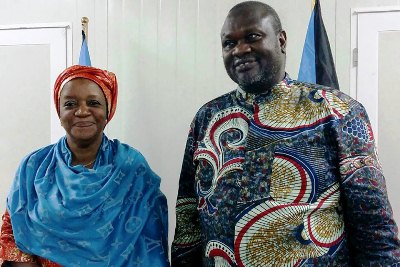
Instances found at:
x=242 y=65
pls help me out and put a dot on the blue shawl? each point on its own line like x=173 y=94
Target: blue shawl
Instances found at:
x=111 y=215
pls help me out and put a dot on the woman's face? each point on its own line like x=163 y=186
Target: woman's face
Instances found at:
x=83 y=111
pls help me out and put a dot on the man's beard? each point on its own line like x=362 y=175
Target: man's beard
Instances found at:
x=259 y=83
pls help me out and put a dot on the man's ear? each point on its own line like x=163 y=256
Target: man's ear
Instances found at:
x=282 y=41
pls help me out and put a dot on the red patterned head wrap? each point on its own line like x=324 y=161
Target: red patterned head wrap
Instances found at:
x=106 y=80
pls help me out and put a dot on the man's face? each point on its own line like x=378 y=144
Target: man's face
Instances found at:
x=253 y=52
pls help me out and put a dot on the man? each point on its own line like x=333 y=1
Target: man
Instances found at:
x=278 y=172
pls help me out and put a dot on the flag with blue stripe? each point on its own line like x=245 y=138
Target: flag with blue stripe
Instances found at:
x=317 y=64
x=84 y=56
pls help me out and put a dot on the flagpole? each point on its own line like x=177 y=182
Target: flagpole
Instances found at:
x=85 y=23
x=84 y=56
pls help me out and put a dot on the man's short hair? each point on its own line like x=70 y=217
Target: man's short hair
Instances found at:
x=260 y=6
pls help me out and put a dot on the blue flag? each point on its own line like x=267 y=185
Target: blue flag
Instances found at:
x=317 y=64
x=84 y=57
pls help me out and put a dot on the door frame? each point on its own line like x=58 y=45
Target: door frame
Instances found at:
x=58 y=36
x=366 y=90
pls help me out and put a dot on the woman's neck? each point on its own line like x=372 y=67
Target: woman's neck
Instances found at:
x=84 y=153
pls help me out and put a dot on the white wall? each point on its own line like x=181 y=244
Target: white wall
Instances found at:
x=166 y=54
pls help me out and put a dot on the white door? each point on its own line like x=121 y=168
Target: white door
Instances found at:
x=31 y=56
x=375 y=82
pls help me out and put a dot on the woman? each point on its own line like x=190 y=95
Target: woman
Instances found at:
x=86 y=200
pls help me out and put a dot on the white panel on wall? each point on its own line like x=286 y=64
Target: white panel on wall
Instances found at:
x=206 y=43
x=24 y=85
x=148 y=91
x=223 y=83
x=186 y=46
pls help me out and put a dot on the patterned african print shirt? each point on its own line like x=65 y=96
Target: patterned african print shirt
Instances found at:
x=285 y=178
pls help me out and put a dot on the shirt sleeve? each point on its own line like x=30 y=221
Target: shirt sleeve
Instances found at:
x=371 y=230
x=186 y=247
x=8 y=249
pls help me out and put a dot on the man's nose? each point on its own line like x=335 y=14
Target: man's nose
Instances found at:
x=241 y=48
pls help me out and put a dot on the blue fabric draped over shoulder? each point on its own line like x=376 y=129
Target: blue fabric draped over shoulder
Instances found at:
x=111 y=215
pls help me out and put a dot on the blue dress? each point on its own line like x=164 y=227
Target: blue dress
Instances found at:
x=111 y=215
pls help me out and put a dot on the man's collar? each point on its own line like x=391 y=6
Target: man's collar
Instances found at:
x=286 y=81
